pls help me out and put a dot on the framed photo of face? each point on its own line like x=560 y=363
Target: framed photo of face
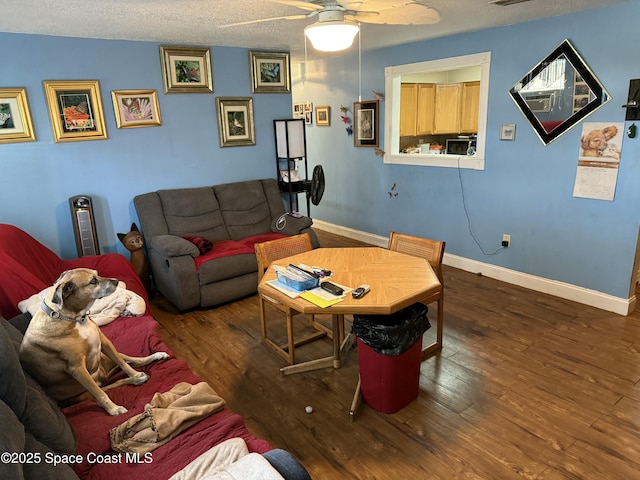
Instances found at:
x=15 y=117
x=235 y=121
x=186 y=69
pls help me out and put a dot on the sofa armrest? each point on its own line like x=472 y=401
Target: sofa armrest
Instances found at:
x=173 y=246
x=174 y=270
x=290 y=225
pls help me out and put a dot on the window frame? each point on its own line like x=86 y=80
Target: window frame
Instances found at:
x=393 y=76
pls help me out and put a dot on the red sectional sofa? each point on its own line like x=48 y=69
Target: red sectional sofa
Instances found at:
x=27 y=267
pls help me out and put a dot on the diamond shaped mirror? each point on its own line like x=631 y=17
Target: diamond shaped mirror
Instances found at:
x=558 y=93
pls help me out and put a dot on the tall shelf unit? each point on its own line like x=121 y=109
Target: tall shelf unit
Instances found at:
x=291 y=160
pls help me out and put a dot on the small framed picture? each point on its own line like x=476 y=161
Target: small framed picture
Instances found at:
x=136 y=108
x=186 y=69
x=365 y=125
x=323 y=118
x=269 y=72
x=235 y=121
x=15 y=116
x=508 y=131
x=75 y=110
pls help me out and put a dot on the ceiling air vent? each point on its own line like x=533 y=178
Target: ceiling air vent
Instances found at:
x=506 y=3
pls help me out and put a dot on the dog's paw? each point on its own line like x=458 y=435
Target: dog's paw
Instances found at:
x=139 y=378
x=116 y=410
x=160 y=356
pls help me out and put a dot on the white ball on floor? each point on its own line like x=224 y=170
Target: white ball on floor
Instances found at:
x=308 y=409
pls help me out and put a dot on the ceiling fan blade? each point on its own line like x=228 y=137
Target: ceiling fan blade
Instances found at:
x=300 y=4
x=402 y=13
x=249 y=22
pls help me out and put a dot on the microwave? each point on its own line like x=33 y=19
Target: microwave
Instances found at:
x=457 y=146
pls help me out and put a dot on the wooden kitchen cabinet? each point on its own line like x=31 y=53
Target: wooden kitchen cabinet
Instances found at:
x=470 y=107
x=408 y=109
x=447 y=108
x=426 y=108
x=430 y=108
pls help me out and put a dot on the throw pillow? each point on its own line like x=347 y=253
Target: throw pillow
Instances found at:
x=11 y=441
x=204 y=245
x=44 y=469
x=13 y=388
x=38 y=413
x=21 y=322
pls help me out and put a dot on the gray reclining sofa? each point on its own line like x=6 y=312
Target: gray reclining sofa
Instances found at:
x=233 y=217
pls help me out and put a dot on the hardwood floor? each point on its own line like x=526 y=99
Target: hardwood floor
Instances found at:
x=527 y=386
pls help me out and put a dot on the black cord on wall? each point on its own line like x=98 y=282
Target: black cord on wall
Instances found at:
x=466 y=212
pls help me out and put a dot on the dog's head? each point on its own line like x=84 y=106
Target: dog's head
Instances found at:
x=76 y=290
x=610 y=132
x=594 y=140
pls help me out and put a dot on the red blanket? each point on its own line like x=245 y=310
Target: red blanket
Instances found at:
x=28 y=267
x=139 y=337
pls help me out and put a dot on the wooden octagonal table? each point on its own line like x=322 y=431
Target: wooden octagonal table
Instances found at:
x=397 y=281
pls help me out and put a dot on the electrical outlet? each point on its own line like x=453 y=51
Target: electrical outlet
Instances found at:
x=506 y=240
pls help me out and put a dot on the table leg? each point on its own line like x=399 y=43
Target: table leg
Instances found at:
x=355 y=403
x=335 y=324
x=332 y=361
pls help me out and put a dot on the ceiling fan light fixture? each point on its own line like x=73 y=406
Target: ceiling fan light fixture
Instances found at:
x=331 y=36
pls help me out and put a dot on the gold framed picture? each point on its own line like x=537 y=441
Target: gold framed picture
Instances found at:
x=75 y=110
x=323 y=118
x=136 y=108
x=186 y=69
x=235 y=121
x=269 y=72
x=15 y=117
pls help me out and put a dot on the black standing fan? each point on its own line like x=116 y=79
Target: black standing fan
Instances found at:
x=315 y=187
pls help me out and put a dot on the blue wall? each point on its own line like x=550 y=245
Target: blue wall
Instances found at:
x=37 y=178
x=526 y=188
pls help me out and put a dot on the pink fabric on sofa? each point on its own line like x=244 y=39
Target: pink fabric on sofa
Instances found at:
x=27 y=267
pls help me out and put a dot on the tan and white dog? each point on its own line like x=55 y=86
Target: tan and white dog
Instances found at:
x=67 y=353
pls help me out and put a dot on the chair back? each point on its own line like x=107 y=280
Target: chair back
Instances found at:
x=430 y=250
x=267 y=252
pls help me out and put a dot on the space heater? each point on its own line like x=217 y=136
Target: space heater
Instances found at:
x=84 y=225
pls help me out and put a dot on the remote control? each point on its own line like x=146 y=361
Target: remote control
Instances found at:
x=361 y=291
x=332 y=288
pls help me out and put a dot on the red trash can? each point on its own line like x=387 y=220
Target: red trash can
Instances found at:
x=389 y=382
x=390 y=354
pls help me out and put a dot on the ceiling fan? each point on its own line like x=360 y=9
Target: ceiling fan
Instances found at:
x=337 y=26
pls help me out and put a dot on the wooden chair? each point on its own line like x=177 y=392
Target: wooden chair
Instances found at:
x=266 y=253
x=432 y=251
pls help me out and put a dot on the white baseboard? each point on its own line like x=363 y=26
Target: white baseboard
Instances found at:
x=621 y=306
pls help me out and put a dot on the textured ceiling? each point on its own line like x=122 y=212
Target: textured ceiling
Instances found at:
x=198 y=22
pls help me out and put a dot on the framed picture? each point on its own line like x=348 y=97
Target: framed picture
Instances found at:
x=75 y=110
x=365 y=125
x=186 y=69
x=235 y=121
x=508 y=131
x=136 y=108
x=269 y=72
x=323 y=118
x=15 y=117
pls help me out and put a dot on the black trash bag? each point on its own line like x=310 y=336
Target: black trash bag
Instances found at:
x=392 y=334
